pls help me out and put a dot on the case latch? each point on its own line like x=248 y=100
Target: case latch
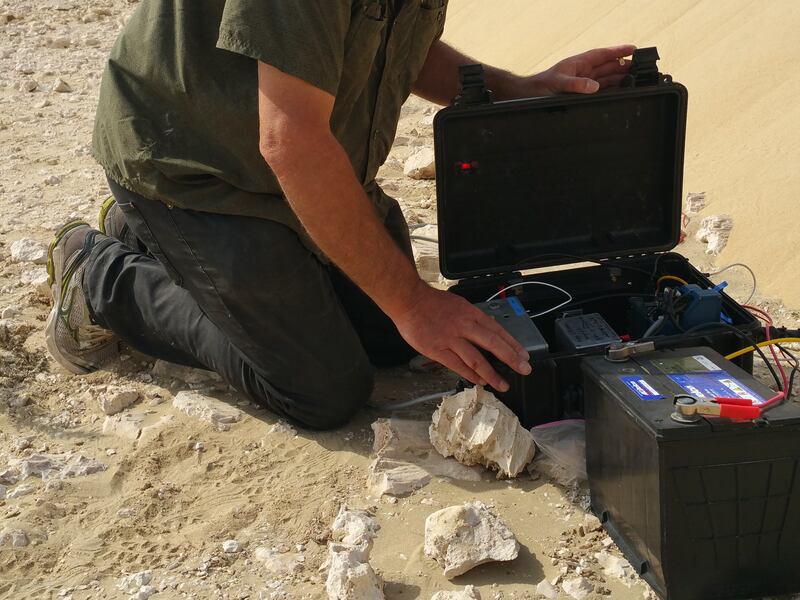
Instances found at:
x=644 y=69
x=473 y=88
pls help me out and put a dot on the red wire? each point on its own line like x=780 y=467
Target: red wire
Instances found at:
x=764 y=316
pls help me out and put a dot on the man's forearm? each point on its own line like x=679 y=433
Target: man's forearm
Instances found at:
x=438 y=81
x=322 y=189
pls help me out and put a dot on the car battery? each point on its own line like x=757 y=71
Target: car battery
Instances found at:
x=703 y=507
x=584 y=189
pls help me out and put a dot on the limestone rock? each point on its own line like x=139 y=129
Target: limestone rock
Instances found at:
x=406 y=459
x=546 y=589
x=82 y=466
x=426 y=253
x=131 y=584
x=695 y=202
x=29 y=250
x=421 y=164
x=13 y=537
x=21 y=490
x=28 y=85
x=231 y=546
x=578 y=588
x=280 y=563
x=36 y=278
x=477 y=429
x=715 y=232
x=126 y=425
x=469 y=593
x=614 y=566
x=116 y=399
x=205 y=408
x=350 y=576
x=59 y=85
x=9 y=312
x=395 y=478
x=465 y=536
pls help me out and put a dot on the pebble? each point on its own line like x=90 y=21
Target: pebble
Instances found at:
x=28 y=85
x=231 y=546
x=421 y=164
x=61 y=86
x=133 y=583
x=23 y=489
x=117 y=399
x=29 y=250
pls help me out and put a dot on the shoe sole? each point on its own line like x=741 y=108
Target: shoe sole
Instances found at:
x=55 y=253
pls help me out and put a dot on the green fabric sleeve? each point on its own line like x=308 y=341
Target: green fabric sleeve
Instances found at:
x=303 y=38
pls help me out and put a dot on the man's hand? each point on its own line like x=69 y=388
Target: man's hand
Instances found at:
x=582 y=74
x=448 y=329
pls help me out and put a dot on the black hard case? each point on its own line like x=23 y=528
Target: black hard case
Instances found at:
x=551 y=182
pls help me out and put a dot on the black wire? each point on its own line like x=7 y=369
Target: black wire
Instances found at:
x=750 y=341
x=795 y=368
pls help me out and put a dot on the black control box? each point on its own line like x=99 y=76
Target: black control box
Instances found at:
x=576 y=331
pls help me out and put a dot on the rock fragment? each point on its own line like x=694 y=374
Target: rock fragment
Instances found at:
x=477 y=429
x=231 y=546
x=350 y=576
x=395 y=478
x=36 y=278
x=9 y=312
x=578 y=588
x=695 y=202
x=61 y=86
x=279 y=563
x=715 y=231
x=116 y=399
x=465 y=536
x=547 y=590
x=13 y=537
x=28 y=85
x=426 y=253
x=127 y=426
x=29 y=250
x=21 y=490
x=469 y=593
x=131 y=584
x=421 y=164
x=219 y=414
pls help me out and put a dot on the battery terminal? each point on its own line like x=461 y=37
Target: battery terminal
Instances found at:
x=689 y=409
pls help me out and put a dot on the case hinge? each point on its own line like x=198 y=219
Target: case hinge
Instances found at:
x=473 y=88
x=644 y=69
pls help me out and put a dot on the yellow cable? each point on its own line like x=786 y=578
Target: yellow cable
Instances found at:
x=670 y=278
x=789 y=340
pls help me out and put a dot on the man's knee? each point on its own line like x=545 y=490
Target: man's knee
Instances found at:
x=338 y=400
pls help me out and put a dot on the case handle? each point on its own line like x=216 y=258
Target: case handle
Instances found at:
x=473 y=88
x=644 y=69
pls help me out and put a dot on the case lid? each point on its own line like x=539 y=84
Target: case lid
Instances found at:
x=547 y=181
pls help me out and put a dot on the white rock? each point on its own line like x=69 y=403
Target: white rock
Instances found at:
x=9 y=312
x=37 y=278
x=349 y=578
x=395 y=478
x=126 y=513
x=469 y=593
x=28 y=85
x=355 y=528
x=21 y=490
x=127 y=426
x=282 y=427
x=614 y=566
x=695 y=202
x=421 y=164
x=14 y=537
x=578 y=588
x=279 y=563
x=546 y=589
x=205 y=408
x=715 y=231
x=477 y=429
x=426 y=253
x=144 y=593
x=52 y=180
x=28 y=250
x=82 y=466
x=116 y=399
x=462 y=537
x=131 y=584
x=59 y=85
x=231 y=546
x=25 y=68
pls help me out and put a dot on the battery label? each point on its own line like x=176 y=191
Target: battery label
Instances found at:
x=516 y=306
x=640 y=387
x=715 y=385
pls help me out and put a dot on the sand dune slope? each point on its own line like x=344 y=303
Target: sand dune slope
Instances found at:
x=738 y=59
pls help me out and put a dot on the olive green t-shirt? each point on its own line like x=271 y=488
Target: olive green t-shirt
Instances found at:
x=177 y=119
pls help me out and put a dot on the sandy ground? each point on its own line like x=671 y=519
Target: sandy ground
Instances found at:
x=168 y=500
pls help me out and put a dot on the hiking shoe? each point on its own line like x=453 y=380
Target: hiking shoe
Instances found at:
x=112 y=223
x=76 y=343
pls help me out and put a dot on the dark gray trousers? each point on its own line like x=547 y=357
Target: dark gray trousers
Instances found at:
x=245 y=298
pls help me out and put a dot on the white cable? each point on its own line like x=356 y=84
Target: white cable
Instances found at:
x=550 y=285
x=413 y=402
x=744 y=266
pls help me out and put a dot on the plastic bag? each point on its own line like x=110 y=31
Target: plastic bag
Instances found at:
x=563 y=450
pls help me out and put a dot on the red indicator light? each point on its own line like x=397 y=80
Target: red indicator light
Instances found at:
x=466 y=166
